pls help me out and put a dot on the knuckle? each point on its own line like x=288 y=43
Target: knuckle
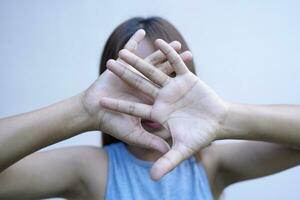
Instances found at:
x=168 y=51
x=175 y=60
x=166 y=81
x=137 y=81
x=151 y=72
x=137 y=62
x=131 y=108
x=151 y=60
x=168 y=161
x=153 y=92
x=124 y=73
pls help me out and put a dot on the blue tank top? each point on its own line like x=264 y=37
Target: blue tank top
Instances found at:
x=129 y=178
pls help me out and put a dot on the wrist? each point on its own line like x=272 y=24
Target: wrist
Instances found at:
x=81 y=117
x=232 y=122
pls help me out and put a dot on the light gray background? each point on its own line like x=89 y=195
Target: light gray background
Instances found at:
x=248 y=51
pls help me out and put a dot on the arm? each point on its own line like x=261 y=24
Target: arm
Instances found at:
x=194 y=114
x=56 y=173
x=273 y=123
x=244 y=160
x=252 y=159
x=26 y=133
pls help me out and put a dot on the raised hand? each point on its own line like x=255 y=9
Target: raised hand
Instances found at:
x=122 y=126
x=188 y=108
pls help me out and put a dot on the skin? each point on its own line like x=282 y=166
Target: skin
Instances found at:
x=195 y=115
x=196 y=105
x=70 y=172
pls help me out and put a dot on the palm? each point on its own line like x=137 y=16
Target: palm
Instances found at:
x=188 y=108
x=124 y=127
x=188 y=111
x=105 y=119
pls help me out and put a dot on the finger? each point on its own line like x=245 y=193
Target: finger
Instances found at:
x=170 y=160
x=172 y=56
x=158 y=56
x=132 y=78
x=147 y=140
x=135 y=39
x=145 y=68
x=127 y=107
x=168 y=69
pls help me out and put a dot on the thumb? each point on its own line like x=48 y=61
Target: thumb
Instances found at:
x=170 y=160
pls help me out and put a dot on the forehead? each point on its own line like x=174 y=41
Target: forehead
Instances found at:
x=145 y=48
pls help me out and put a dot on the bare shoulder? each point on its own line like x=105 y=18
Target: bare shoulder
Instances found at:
x=232 y=162
x=93 y=164
x=209 y=157
x=70 y=172
x=80 y=156
x=90 y=163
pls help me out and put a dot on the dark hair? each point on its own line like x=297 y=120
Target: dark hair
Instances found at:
x=155 y=28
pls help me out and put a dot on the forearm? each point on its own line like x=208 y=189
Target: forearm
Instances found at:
x=24 y=134
x=274 y=123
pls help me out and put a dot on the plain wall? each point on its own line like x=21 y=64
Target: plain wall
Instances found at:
x=248 y=51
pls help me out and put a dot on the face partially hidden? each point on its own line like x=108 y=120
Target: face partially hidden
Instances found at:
x=145 y=48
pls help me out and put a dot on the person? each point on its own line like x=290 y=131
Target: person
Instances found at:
x=180 y=111
x=195 y=115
